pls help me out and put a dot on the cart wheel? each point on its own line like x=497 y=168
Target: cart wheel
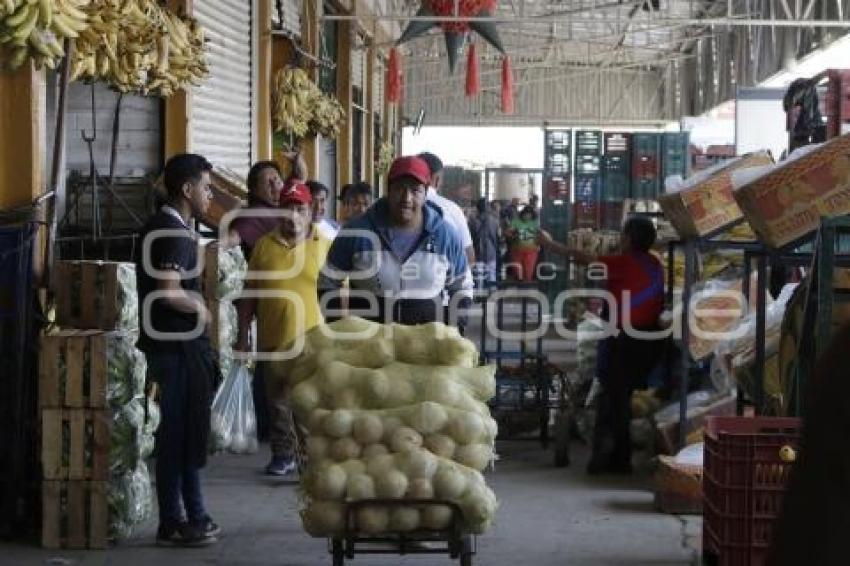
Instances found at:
x=338 y=553
x=562 y=439
x=466 y=559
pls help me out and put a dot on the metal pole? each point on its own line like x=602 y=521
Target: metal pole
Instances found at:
x=745 y=288
x=57 y=171
x=761 y=300
x=671 y=267
x=605 y=19
x=690 y=277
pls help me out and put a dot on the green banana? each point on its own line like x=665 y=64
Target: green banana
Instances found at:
x=18 y=17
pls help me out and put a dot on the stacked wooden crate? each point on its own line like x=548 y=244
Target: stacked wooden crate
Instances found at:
x=74 y=439
x=96 y=306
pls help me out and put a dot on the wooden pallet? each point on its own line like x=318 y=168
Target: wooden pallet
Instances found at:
x=87 y=294
x=74 y=514
x=82 y=384
x=75 y=444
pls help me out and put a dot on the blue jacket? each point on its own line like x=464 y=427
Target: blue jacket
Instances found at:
x=406 y=290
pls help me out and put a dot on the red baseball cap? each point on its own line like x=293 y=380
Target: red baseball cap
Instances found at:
x=410 y=166
x=295 y=192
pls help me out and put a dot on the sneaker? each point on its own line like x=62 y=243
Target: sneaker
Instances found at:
x=183 y=534
x=210 y=527
x=281 y=466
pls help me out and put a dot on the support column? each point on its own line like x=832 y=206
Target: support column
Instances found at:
x=23 y=116
x=178 y=107
x=369 y=95
x=310 y=42
x=264 y=64
x=344 y=158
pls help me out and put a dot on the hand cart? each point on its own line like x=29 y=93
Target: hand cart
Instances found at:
x=530 y=393
x=449 y=541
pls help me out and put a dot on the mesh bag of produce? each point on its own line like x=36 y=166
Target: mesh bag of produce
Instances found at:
x=393 y=413
x=127 y=369
x=129 y=500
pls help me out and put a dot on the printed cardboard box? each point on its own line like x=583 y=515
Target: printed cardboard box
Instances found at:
x=709 y=205
x=787 y=203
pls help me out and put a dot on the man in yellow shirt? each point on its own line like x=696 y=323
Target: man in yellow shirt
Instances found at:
x=284 y=269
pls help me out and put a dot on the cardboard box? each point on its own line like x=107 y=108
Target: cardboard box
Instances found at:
x=678 y=487
x=788 y=203
x=709 y=205
x=667 y=434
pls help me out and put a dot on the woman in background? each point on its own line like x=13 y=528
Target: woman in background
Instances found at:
x=524 y=247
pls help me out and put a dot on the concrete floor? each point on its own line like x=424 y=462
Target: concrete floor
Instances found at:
x=548 y=517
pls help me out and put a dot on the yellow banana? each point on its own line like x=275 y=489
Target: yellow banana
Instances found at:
x=62 y=26
x=45 y=13
x=39 y=44
x=71 y=11
x=25 y=29
x=18 y=18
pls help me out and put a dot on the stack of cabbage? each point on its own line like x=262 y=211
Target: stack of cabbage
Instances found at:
x=134 y=420
x=393 y=412
x=231 y=275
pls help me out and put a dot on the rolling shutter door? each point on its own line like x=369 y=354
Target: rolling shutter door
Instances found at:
x=358 y=65
x=378 y=91
x=222 y=108
x=291 y=15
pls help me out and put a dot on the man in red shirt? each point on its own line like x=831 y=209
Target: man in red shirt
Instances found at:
x=636 y=283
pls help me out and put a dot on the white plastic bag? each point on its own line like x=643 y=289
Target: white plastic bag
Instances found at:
x=234 y=423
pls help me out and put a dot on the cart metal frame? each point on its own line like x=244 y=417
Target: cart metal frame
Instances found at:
x=758 y=253
x=535 y=388
x=451 y=541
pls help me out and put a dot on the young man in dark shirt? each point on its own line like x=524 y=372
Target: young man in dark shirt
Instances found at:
x=173 y=337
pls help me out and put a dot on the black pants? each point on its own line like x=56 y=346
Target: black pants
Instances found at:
x=623 y=365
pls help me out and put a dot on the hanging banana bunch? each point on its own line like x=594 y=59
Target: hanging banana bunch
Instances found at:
x=327 y=115
x=37 y=29
x=141 y=47
x=300 y=108
x=292 y=101
x=386 y=154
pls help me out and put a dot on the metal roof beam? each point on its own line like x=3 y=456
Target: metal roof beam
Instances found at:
x=665 y=21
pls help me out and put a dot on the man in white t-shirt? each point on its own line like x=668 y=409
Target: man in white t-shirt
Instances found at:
x=319 y=193
x=452 y=213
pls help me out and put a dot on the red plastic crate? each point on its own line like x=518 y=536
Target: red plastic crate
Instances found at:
x=586 y=215
x=743 y=485
x=611 y=216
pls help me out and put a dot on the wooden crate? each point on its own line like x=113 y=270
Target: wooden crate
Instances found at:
x=75 y=444
x=87 y=294
x=74 y=514
x=85 y=358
